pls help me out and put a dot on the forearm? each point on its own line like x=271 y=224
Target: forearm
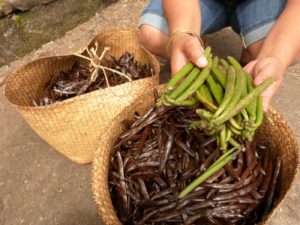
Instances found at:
x=283 y=41
x=182 y=15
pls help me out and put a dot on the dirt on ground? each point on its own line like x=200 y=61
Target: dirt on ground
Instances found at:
x=23 y=32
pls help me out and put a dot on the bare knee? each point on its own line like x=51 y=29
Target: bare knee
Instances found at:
x=153 y=39
x=253 y=50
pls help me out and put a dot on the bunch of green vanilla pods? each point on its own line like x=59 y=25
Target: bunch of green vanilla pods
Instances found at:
x=231 y=106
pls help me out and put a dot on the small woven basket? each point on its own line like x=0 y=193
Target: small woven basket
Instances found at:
x=280 y=135
x=73 y=127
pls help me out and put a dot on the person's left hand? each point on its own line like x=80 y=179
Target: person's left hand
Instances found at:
x=260 y=70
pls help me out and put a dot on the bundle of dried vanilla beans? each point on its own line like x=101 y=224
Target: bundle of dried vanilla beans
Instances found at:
x=160 y=155
x=80 y=79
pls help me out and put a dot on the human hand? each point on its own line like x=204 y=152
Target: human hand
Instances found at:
x=186 y=48
x=260 y=70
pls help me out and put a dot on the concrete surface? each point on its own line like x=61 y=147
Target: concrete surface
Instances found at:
x=38 y=186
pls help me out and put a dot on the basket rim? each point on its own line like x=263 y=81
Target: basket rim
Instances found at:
x=80 y=97
x=295 y=173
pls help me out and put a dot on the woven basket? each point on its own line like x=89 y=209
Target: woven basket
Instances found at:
x=73 y=126
x=281 y=136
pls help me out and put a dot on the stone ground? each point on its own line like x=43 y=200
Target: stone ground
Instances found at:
x=38 y=186
x=23 y=32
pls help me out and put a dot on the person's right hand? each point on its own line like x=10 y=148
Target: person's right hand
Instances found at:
x=186 y=48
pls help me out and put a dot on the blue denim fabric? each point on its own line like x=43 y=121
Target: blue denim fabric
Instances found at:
x=251 y=19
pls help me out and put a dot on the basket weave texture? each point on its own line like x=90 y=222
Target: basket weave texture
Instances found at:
x=73 y=127
x=280 y=135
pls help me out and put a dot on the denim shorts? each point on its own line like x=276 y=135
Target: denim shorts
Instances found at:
x=251 y=19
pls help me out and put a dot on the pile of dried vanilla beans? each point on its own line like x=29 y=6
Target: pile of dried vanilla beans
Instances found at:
x=160 y=155
x=78 y=80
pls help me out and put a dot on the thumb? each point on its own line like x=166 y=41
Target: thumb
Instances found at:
x=249 y=68
x=195 y=52
x=268 y=94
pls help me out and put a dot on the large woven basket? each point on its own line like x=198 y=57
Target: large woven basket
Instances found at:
x=73 y=126
x=281 y=136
